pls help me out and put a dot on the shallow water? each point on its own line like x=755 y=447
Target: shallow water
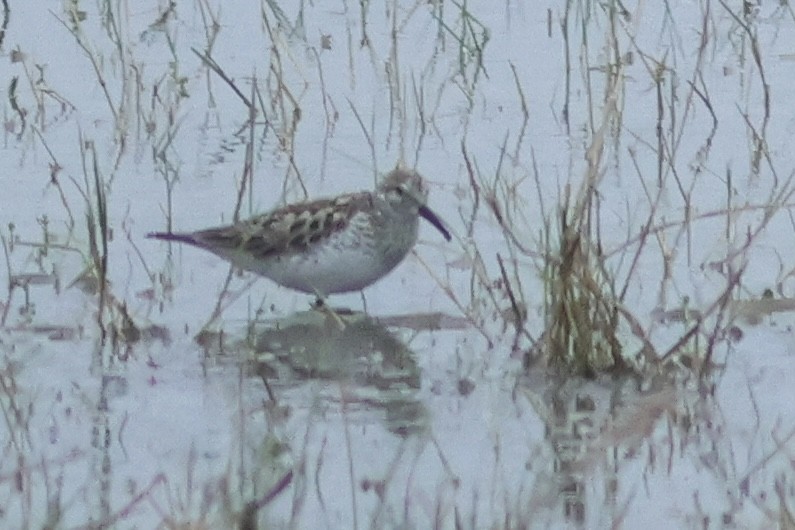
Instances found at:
x=216 y=400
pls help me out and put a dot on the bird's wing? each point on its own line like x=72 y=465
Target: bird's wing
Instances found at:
x=288 y=229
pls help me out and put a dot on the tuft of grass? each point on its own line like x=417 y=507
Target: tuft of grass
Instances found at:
x=580 y=304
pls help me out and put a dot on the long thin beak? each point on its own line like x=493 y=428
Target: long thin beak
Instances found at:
x=432 y=218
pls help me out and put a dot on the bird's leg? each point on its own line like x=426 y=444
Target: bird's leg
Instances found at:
x=332 y=317
x=364 y=302
x=319 y=303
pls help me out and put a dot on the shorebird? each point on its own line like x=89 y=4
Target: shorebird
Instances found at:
x=326 y=246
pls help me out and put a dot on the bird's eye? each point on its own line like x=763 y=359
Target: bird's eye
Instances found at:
x=399 y=191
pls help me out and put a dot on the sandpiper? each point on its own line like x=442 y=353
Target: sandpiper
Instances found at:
x=326 y=246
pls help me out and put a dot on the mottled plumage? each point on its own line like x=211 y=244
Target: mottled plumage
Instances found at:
x=326 y=246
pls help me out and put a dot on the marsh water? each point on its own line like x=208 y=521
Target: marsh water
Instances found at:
x=144 y=385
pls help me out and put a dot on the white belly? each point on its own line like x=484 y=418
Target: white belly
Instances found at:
x=327 y=270
x=342 y=263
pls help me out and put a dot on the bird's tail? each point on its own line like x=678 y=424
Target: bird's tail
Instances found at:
x=171 y=236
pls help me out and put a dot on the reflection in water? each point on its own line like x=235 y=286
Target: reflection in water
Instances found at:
x=571 y=431
x=378 y=372
x=609 y=439
x=576 y=415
